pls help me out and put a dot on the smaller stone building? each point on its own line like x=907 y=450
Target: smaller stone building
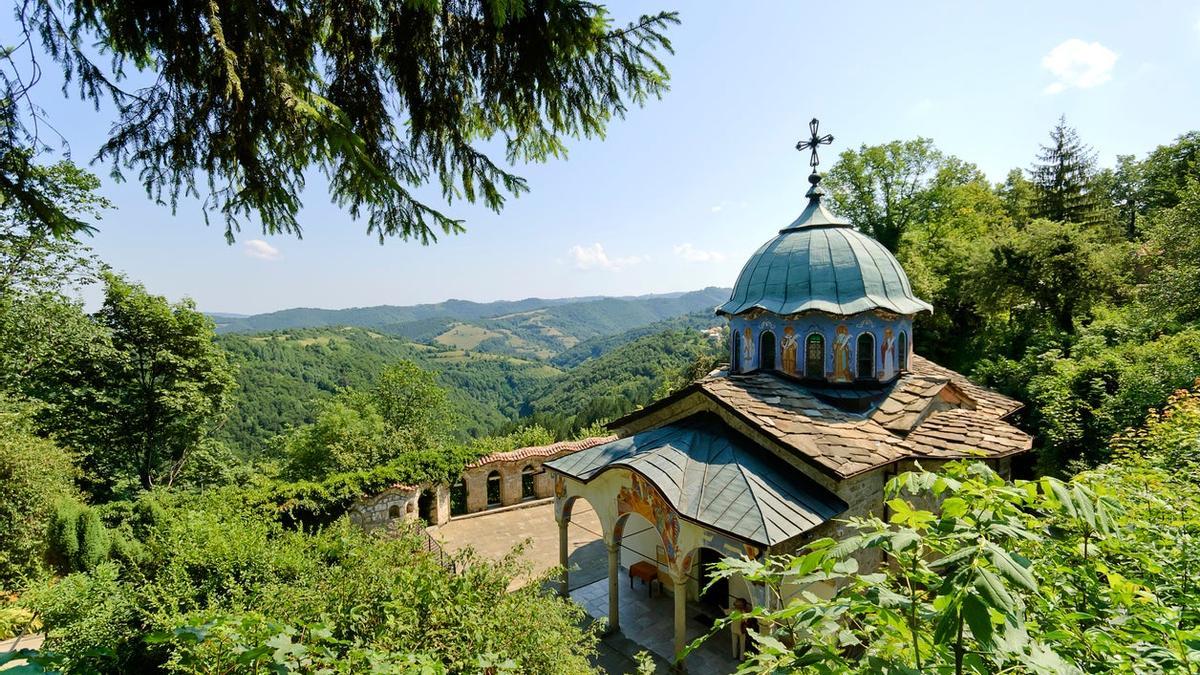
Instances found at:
x=499 y=479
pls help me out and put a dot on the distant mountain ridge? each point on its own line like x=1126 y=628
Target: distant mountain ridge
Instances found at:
x=624 y=313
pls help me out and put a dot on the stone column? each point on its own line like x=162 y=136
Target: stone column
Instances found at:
x=614 y=588
x=681 y=584
x=563 y=523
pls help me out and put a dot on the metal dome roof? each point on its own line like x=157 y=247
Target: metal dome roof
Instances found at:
x=820 y=263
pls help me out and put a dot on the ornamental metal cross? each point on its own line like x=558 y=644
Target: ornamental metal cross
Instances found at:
x=814 y=142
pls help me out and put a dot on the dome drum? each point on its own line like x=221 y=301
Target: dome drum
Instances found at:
x=869 y=346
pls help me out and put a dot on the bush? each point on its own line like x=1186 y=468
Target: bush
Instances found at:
x=34 y=475
x=78 y=540
x=216 y=575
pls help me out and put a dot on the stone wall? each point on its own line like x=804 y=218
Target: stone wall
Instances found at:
x=393 y=504
x=405 y=502
x=511 y=466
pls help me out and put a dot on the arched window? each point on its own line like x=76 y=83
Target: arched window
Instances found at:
x=814 y=356
x=527 y=490
x=735 y=345
x=766 y=350
x=458 y=497
x=493 y=489
x=866 y=356
x=394 y=511
x=902 y=352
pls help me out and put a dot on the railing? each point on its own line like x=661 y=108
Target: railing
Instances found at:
x=434 y=548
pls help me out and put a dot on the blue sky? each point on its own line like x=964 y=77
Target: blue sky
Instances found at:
x=682 y=191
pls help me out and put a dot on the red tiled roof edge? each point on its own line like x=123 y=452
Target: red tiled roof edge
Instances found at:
x=562 y=447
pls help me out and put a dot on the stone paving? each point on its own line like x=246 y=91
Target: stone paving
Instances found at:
x=648 y=623
x=494 y=534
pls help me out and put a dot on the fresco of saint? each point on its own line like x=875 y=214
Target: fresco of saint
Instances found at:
x=789 y=350
x=887 y=354
x=842 y=369
x=747 y=349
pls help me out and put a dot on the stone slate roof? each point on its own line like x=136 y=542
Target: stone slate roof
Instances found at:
x=827 y=268
x=712 y=475
x=541 y=451
x=960 y=431
x=931 y=412
x=994 y=403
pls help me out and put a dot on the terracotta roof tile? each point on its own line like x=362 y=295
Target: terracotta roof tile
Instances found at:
x=552 y=450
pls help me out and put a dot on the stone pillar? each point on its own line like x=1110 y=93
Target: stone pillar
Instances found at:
x=614 y=588
x=441 y=505
x=681 y=584
x=564 y=590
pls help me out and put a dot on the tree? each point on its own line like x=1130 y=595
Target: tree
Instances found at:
x=248 y=98
x=1167 y=171
x=149 y=399
x=1055 y=265
x=404 y=416
x=886 y=189
x=33 y=258
x=1173 y=243
x=1062 y=179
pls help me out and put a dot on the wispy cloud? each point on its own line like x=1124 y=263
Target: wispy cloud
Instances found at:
x=594 y=257
x=692 y=254
x=257 y=248
x=1078 y=64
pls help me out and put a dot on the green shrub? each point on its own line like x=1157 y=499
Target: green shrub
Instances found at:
x=216 y=575
x=63 y=535
x=78 y=540
x=94 y=542
x=34 y=475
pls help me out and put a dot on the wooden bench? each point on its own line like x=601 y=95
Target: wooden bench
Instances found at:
x=647 y=572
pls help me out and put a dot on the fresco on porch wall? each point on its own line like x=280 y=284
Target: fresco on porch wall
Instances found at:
x=840 y=335
x=642 y=498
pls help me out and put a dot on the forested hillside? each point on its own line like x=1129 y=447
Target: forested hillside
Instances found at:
x=283 y=377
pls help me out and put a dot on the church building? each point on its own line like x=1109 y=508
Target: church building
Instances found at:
x=823 y=400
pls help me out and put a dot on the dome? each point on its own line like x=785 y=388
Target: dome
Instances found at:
x=820 y=263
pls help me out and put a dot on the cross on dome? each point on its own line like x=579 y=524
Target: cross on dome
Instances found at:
x=815 y=141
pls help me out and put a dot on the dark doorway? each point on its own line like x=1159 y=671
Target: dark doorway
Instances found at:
x=458 y=497
x=493 y=489
x=718 y=595
x=425 y=506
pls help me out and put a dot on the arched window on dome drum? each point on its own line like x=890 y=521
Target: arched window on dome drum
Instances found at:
x=866 y=356
x=735 y=346
x=766 y=350
x=814 y=356
x=902 y=351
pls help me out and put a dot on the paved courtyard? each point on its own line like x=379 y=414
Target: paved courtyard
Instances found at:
x=647 y=623
x=494 y=533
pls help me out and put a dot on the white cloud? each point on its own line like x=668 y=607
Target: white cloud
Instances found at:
x=692 y=254
x=1078 y=64
x=257 y=248
x=593 y=256
x=715 y=209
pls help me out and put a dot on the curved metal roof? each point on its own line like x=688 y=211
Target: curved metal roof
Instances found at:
x=712 y=475
x=820 y=263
